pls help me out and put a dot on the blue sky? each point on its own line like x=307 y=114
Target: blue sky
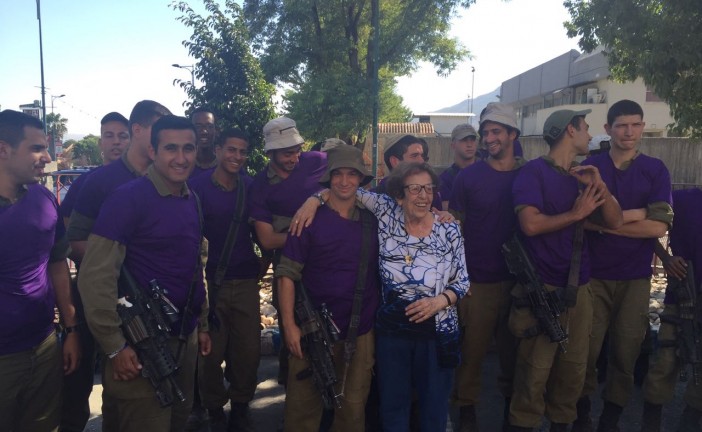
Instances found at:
x=105 y=55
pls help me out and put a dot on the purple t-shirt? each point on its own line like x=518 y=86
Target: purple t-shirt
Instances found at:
x=286 y=197
x=484 y=196
x=330 y=250
x=162 y=237
x=100 y=185
x=69 y=201
x=218 y=208
x=644 y=182
x=29 y=228
x=381 y=188
x=447 y=178
x=552 y=192
x=686 y=233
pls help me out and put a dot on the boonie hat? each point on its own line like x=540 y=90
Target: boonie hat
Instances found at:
x=463 y=131
x=331 y=143
x=281 y=133
x=557 y=122
x=346 y=156
x=500 y=113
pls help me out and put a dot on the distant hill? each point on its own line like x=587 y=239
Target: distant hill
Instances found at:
x=479 y=103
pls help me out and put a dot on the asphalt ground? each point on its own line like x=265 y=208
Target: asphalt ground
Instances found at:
x=267 y=406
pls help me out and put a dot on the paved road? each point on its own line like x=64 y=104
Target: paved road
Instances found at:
x=267 y=407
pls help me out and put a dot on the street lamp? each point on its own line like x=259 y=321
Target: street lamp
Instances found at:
x=53 y=98
x=472 y=92
x=191 y=68
x=52 y=144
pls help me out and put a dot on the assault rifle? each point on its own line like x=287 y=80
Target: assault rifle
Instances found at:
x=147 y=316
x=319 y=333
x=689 y=344
x=545 y=305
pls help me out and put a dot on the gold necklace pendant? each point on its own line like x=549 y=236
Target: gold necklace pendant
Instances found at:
x=408 y=259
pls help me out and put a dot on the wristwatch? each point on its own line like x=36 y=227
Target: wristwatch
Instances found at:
x=318 y=195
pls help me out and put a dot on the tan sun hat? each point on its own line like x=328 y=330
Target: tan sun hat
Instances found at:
x=281 y=133
x=346 y=156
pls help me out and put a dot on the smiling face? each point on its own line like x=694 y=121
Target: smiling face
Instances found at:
x=626 y=132
x=114 y=140
x=497 y=139
x=175 y=157
x=25 y=163
x=232 y=155
x=416 y=207
x=344 y=182
x=205 y=127
x=285 y=160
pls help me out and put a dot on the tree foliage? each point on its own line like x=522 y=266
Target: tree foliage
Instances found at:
x=321 y=50
x=233 y=84
x=84 y=152
x=55 y=124
x=658 y=40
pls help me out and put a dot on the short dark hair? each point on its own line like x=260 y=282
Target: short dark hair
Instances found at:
x=146 y=112
x=169 y=122
x=510 y=129
x=202 y=109
x=575 y=122
x=396 y=180
x=623 y=107
x=114 y=117
x=232 y=133
x=400 y=147
x=12 y=124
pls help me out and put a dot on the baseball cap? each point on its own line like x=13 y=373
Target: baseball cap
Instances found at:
x=557 y=122
x=281 y=133
x=500 y=113
x=346 y=156
x=463 y=131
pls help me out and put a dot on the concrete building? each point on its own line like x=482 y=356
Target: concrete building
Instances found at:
x=443 y=123
x=579 y=81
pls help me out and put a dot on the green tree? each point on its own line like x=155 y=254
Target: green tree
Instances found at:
x=320 y=49
x=657 y=40
x=234 y=86
x=86 y=151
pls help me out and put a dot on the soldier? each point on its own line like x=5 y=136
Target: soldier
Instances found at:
x=550 y=207
x=100 y=184
x=232 y=278
x=326 y=259
x=659 y=386
x=34 y=278
x=482 y=201
x=204 y=121
x=621 y=260
x=465 y=145
x=114 y=139
x=151 y=227
x=279 y=190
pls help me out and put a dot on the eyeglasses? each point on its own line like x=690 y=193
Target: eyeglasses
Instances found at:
x=414 y=189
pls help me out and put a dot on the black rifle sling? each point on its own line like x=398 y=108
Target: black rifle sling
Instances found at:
x=571 y=291
x=182 y=337
x=231 y=234
x=352 y=334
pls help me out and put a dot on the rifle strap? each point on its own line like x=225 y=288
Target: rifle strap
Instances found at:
x=197 y=274
x=231 y=237
x=352 y=334
x=571 y=291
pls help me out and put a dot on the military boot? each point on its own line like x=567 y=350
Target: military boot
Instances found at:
x=609 y=419
x=467 y=419
x=651 y=419
x=690 y=420
x=239 y=418
x=584 y=422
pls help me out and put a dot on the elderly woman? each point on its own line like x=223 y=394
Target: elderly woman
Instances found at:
x=423 y=275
